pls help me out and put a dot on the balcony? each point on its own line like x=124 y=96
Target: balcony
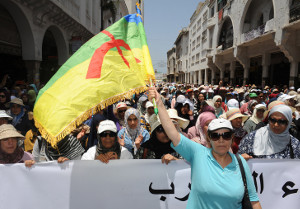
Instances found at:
x=252 y=34
x=211 y=22
x=295 y=12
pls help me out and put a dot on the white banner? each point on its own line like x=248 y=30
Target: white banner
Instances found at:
x=132 y=184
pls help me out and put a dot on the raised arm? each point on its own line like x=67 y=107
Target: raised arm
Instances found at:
x=166 y=122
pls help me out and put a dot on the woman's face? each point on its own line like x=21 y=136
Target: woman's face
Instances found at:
x=108 y=139
x=2 y=98
x=9 y=145
x=25 y=98
x=205 y=128
x=278 y=122
x=201 y=97
x=150 y=111
x=161 y=135
x=260 y=113
x=3 y=121
x=121 y=112
x=185 y=109
x=237 y=122
x=16 y=109
x=220 y=145
x=218 y=103
x=132 y=121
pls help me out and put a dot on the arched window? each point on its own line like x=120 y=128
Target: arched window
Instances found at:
x=226 y=35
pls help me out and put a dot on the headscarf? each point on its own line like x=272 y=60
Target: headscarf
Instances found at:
x=133 y=133
x=158 y=147
x=68 y=147
x=93 y=123
x=16 y=118
x=102 y=150
x=32 y=96
x=267 y=142
x=250 y=103
x=34 y=87
x=254 y=118
x=219 y=110
x=11 y=158
x=202 y=119
x=207 y=108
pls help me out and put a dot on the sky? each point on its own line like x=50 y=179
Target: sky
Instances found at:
x=163 y=19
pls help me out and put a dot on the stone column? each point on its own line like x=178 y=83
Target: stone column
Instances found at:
x=222 y=75
x=265 y=65
x=213 y=77
x=232 y=71
x=293 y=72
x=200 y=78
x=246 y=74
x=33 y=71
x=205 y=76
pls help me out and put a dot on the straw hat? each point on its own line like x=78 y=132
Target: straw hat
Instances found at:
x=4 y=115
x=154 y=122
x=8 y=131
x=271 y=105
x=235 y=113
x=183 y=123
x=17 y=101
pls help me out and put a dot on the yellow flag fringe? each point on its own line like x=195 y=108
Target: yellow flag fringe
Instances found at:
x=53 y=140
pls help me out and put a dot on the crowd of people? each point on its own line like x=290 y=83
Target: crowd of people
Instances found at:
x=205 y=125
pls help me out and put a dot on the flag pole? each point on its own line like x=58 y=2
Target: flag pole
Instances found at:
x=153 y=100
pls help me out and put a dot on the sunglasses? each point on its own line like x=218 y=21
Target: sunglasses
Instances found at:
x=2 y=96
x=260 y=110
x=160 y=129
x=279 y=122
x=121 y=111
x=225 y=136
x=109 y=133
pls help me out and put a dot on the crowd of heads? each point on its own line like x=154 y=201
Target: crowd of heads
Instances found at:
x=131 y=129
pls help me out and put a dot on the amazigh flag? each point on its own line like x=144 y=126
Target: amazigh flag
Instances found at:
x=111 y=66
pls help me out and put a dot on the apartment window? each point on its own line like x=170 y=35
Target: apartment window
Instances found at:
x=212 y=11
x=205 y=16
x=204 y=34
x=198 y=42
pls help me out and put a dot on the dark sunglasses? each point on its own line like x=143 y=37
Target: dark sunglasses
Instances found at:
x=111 y=134
x=225 y=136
x=2 y=96
x=280 y=122
x=260 y=110
x=160 y=129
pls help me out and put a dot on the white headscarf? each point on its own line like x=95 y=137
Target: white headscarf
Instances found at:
x=254 y=118
x=219 y=110
x=267 y=142
x=133 y=133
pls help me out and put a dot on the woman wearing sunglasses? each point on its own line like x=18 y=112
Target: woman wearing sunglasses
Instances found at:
x=108 y=147
x=215 y=173
x=274 y=140
x=158 y=146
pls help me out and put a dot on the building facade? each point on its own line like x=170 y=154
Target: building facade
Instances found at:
x=38 y=36
x=241 y=42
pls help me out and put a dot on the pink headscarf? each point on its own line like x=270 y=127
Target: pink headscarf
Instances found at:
x=202 y=119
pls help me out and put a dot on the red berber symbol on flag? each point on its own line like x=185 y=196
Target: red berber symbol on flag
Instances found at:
x=95 y=66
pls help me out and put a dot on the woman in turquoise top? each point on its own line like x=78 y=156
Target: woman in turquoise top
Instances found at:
x=215 y=173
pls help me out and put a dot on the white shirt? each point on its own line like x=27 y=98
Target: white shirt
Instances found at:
x=90 y=154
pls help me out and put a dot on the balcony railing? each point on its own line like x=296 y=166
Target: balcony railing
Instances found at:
x=295 y=12
x=252 y=34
